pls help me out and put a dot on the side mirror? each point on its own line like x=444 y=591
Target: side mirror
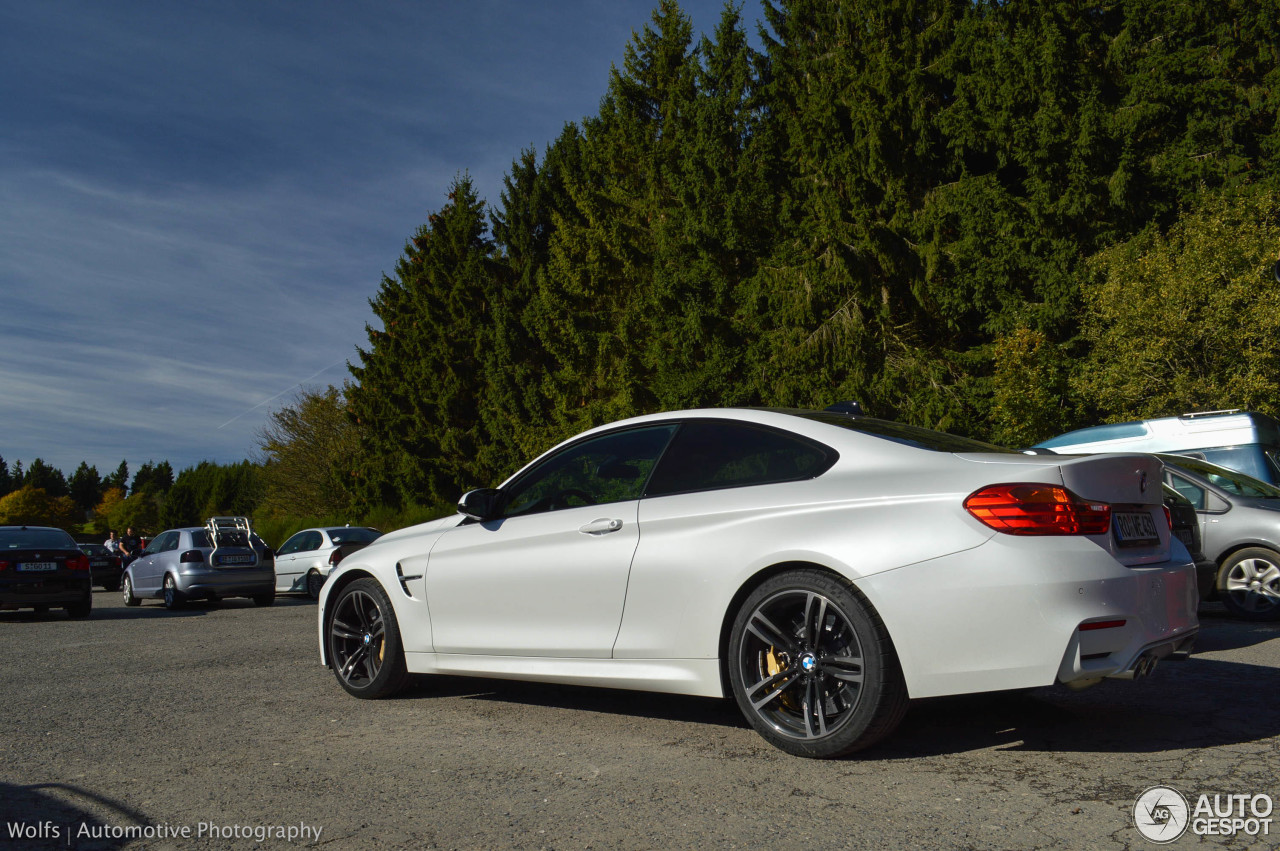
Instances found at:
x=480 y=504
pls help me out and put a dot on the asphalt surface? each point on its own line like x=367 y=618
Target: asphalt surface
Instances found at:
x=216 y=727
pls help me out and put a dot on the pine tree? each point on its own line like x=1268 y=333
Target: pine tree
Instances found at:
x=421 y=379
x=85 y=487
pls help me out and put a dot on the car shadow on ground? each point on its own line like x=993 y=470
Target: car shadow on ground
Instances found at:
x=1198 y=703
x=55 y=815
x=1219 y=631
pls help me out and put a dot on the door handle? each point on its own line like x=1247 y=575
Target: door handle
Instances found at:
x=603 y=526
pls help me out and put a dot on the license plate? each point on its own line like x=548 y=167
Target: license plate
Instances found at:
x=98 y=564
x=235 y=559
x=1134 y=527
x=1184 y=535
x=37 y=565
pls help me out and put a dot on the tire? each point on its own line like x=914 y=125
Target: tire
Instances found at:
x=173 y=598
x=850 y=673
x=363 y=639
x=81 y=609
x=264 y=599
x=1249 y=584
x=130 y=598
x=314 y=583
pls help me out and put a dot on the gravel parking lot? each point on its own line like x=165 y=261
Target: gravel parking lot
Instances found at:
x=216 y=727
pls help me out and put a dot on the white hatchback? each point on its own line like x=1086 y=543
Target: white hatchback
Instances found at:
x=820 y=567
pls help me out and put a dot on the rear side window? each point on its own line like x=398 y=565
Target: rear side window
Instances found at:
x=714 y=454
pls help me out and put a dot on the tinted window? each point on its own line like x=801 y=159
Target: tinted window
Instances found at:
x=920 y=438
x=168 y=541
x=1192 y=492
x=353 y=535
x=23 y=539
x=200 y=538
x=292 y=545
x=610 y=468
x=711 y=454
x=1229 y=480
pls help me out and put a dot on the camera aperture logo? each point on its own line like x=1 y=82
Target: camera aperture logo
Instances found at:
x=1161 y=814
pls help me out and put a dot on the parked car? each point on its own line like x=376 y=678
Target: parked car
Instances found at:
x=1240 y=528
x=821 y=567
x=1239 y=440
x=202 y=563
x=41 y=568
x=105 y=566
x=304 y=561
x=1184 y=522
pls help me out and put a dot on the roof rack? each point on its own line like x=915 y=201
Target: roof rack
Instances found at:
x=1198 y=414
x=228 y=532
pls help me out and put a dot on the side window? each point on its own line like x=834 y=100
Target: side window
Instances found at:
x=714 y=454
x=610 y=468
x=170 y=542
x=1192 y=492
x=310 y=542
x=292 y=545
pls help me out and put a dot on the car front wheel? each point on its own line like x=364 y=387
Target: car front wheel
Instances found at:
x=130 y=598
x=812 y=667
x=364 y=641
x=1249 y=584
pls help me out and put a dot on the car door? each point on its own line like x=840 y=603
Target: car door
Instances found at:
x=147 y=569
x=1210 y=509
x=548 y=577
x=291 y=558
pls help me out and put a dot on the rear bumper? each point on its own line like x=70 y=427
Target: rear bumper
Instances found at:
x=36 y=590
x=1017 y=613
x=227 y=582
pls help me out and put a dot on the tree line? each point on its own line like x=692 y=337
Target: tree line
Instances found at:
x=1003 y=220
x=998 y=219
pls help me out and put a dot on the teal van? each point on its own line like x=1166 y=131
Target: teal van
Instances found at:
x=1238 y=440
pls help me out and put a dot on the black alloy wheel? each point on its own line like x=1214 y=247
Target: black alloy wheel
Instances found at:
x=364 y=641
x=812 y=667
x=314 y=583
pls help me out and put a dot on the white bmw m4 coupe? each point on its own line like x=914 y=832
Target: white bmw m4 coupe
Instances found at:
x=823 y=568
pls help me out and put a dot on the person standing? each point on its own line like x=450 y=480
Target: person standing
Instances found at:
x=112 y=543
x=130 y=545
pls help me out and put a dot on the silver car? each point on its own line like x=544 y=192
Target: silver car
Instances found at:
x=182 y=564
x=1239 y=530
x=304 y=561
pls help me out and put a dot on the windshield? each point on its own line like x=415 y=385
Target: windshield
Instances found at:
x=1230 y=481
x=920 y=438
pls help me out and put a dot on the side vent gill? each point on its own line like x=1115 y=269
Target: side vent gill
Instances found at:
x=405 y=580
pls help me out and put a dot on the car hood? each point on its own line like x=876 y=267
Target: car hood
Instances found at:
x=421 y=529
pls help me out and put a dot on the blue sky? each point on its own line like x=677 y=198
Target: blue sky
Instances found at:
x=197 y=200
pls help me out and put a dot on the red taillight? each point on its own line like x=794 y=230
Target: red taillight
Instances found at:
x=4 y=565
x=77 y=563
x=191 y=557
x=335 y=557
x=1168 y=516
x=1035 y=509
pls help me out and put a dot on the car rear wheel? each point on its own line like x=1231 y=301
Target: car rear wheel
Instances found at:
x=812 y=667
x=173 y=598
x=364 y=641
x=130 y=598
x=314 y=583
x=1249 y=584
